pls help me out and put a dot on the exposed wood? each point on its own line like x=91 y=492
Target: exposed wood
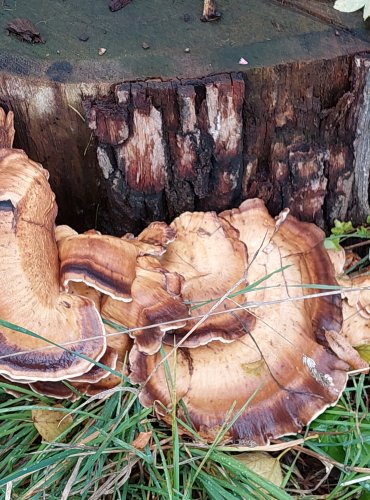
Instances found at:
x=50 y=130
x=6 y=129
x=291 y=135
x=190 y=130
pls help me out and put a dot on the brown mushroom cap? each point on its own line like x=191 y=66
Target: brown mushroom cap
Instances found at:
x=154 y=239
x=282 y=367
x=58 y=390
x=211 y=379
x=97 y=373
x=64 y=231
x=105 y=262
x=295 y=244
x=356 y=309
x=208 y=254
x=75 y=288
x=119 y=342
x=355 y=294
x=102 y=262
x=155 y=300
x=29 y=282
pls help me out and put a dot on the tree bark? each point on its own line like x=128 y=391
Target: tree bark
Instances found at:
x=290 y=127
x=295 y=135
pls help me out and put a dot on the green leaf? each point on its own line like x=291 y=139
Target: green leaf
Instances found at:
x=363 y=232
x=332 y=243
x=342 y=227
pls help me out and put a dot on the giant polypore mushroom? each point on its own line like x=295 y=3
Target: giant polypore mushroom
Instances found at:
x=209 y=255
x=105 y=262
x=355 y=293
x=29 y=282
x=137 y=291
x=281 y=373
x=155 y=301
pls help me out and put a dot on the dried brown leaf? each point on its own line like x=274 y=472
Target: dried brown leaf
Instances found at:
x=142 y=440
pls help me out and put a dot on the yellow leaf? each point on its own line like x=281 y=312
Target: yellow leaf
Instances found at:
x=262 y=464
x=364 y=352
x=51 y=423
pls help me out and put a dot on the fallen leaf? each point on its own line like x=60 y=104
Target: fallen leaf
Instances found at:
x=262 y=464
x=51 y=423
x=142 y=440
x=243 y=61
x=344 y=350
x=364 y=352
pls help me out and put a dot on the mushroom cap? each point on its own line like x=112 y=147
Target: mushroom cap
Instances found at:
x=107 y=263
x=295 y=244
x=80 y=288
x=155 y=300
x=97 y=373
x=58 y=390
x=208 y=254
x=103 y=262
x=120 y=341
x=211 y=379
x=284 y=366
x=338 y=259
x=64 y=231
x=29 y=282
x=154 y=239
x=356 y=309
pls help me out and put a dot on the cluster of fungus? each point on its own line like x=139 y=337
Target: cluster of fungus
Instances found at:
x=218 y=311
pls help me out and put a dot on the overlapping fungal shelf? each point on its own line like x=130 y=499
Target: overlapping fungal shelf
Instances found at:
x=216 y=307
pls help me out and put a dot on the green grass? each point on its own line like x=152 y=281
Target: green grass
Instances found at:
x=97 y=452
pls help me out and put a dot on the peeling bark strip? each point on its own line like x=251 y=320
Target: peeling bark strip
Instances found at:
x=292 y=135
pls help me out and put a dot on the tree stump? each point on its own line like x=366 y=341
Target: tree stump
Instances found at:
x=167 y=120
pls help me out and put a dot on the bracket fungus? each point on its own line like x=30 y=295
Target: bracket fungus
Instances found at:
x=155 y=301
x=281 y=373
x=209 y=255
x=355 y=294
x=29 y=282
x=105 y=262
x=230 y=300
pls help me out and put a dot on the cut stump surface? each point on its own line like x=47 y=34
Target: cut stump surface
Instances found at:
x=175 y=129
